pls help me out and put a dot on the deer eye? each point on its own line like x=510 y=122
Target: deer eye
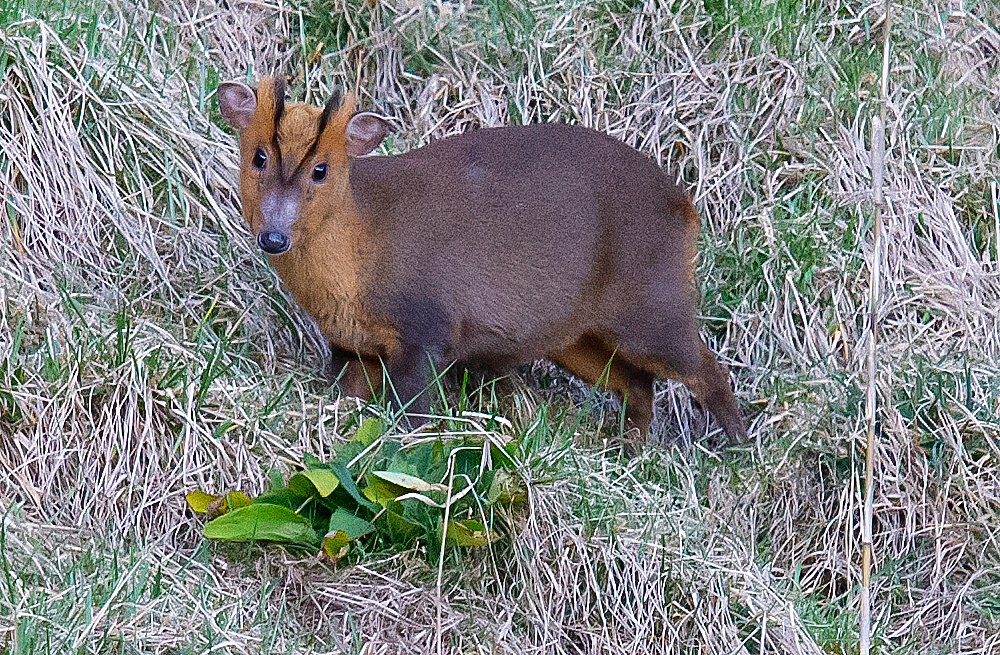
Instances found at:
x=319 y=173
x=259 y=159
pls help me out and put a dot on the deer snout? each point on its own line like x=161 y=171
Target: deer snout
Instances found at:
x=279 y=210
x=273 y=242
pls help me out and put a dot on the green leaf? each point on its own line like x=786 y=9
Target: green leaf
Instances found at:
x=406 y=481
x=401 y=530
x=347 y=484
x=275 y=479
x=368 y=432
x=313 y=462
x=237 y=499
x=347 y=451
x=468 y=533
x=261 y=521
x=354 y=526
x=388 y=485
x=378 y=491
x=205 y=503
x=506 y=488
x=199 y=500
x=312 y=482
x=345 y=527
x=280 y=496
x=335 y=544
x=428 y=459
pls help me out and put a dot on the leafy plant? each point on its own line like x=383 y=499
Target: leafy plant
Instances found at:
x=433 y=489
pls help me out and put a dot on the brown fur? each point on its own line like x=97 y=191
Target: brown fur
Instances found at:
x=495 y=247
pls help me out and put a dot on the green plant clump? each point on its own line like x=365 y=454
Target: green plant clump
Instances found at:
x=399 y=494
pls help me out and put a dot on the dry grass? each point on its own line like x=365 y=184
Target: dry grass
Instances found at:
x=137 y=359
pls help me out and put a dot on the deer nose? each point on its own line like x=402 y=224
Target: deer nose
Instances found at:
x=273 y=242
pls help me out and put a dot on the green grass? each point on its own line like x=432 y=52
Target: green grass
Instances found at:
x=75 y=596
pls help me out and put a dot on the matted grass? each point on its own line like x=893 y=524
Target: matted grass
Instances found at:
x=147 y=349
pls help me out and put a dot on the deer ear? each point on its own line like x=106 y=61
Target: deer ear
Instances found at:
x=364 y=132
x=237 y=102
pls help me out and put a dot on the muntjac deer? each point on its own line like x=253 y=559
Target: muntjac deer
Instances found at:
x=496 y=247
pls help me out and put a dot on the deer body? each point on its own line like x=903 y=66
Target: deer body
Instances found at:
x=497 y=247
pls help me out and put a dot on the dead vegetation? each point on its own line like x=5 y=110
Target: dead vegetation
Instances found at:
x=146 y=348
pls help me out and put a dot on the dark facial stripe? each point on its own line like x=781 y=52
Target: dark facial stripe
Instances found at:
x=332 y=105
x=279 y=111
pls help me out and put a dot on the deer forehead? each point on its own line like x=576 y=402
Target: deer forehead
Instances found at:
x=298 y=131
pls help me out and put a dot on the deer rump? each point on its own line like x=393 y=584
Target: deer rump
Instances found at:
x=505 y=245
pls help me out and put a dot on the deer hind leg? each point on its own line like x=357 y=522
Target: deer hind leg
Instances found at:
x=596 y=362
x=710 y=384
x=676 y=351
